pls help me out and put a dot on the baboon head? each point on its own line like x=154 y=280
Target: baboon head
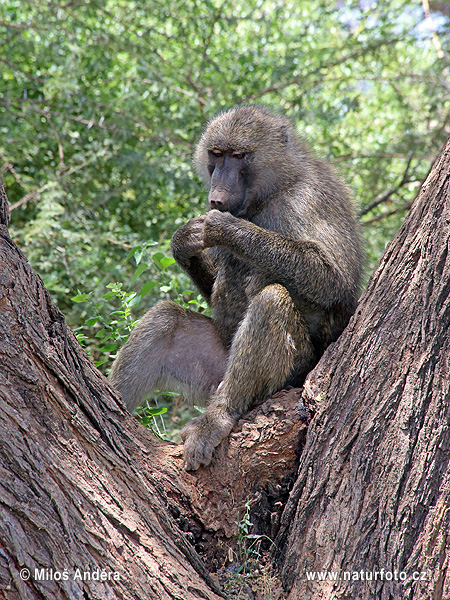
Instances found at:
x=245 y=155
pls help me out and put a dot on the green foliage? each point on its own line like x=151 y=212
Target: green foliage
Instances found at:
x=147 y=417
x=109 y=320
x=248 y=571
x=101 y=103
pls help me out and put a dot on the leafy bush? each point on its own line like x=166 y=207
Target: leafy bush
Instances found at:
x=101 y=105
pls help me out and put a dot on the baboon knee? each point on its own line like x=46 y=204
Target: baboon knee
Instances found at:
x=273 y=307
x=274 y=297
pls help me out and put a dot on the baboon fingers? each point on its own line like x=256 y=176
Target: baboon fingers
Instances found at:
x=202 y=435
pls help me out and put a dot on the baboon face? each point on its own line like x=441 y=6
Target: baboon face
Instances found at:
x=245 y=155
x=229 y=171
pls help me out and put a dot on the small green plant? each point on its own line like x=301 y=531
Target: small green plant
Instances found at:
x=115 y=329
x=249 y=572
x=113 y=312
x=148 y=417
x=248 y=544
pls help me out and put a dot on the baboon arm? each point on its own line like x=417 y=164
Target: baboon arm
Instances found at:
x=202 y=271
x=304 y=267
x=190 y=252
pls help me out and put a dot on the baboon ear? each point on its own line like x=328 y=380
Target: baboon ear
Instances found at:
x=284 y=133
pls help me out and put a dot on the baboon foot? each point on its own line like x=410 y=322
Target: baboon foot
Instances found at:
x=202 y=435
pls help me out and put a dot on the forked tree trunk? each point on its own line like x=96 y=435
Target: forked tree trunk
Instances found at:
x=87 y=493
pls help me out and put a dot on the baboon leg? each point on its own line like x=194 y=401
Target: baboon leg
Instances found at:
x=271 y=347
x=171 y=349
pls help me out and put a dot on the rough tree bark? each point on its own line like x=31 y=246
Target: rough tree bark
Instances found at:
x=373 y=489
x=84 y=486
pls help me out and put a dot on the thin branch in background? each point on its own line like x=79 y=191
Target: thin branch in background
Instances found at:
x=46 y=115
x=118 y=243
x=387 y=195
x=176 y=89
x=306 y=77
x=8 y=166
x=400 y=209
x=67 y=173
x=17 y=25
x=14 y=67
x=207 y=43
x=90 y=160
x=69 y=274
x=28 y=197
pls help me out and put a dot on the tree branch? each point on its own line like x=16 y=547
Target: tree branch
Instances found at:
x=400 y=209
x=394 y=190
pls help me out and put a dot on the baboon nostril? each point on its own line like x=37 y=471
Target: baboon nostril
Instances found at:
x=215 y=202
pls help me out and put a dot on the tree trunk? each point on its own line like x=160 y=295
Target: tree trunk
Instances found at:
x=86 y=493
x=373 y=489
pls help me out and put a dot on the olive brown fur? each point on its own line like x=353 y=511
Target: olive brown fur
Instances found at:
x=278 y=258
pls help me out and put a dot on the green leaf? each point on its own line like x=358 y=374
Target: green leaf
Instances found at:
x=141 y=268
x=92 y=321
x=134 y=301
x=109 y=295
x=162 y=261
x=166 y=261
x=108 y=348
x=133 y=252
x=80 y=298
x=147 y=287
x=99 y=363
x=156 y=411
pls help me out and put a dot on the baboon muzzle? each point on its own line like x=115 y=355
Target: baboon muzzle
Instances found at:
x=227 y=190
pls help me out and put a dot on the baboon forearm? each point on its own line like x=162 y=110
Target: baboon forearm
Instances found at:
x=303 y=267
x=202 y=272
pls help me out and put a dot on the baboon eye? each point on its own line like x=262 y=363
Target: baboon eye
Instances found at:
x=238 y=154
x=217 y=153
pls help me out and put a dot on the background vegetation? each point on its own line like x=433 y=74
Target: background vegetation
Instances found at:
x=102 y=101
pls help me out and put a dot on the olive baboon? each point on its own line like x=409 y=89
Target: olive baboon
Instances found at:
x=278 y=258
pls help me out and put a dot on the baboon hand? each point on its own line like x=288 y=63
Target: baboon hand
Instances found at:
x=216 y=225
x=202 y=435
x=188 y=240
